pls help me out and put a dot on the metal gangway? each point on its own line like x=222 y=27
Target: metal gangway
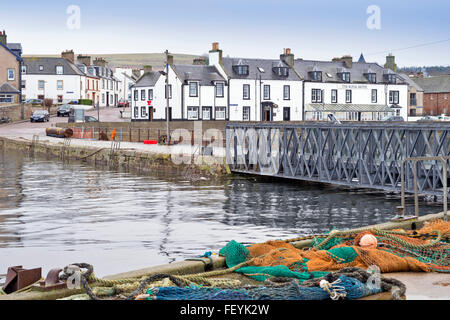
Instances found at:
x=360 y=155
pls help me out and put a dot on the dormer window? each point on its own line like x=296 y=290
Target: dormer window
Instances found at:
x=241 y=70
x=371 y=77
x=41 y=68
x=344 y=76
x=59 y=70
x=281 y=71
x=316 y=76
x=390 y=78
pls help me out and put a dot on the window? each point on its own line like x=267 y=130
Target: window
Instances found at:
x=221 y=113
x=316 y=76
x=281 y=71
x=11 y=74
x=345 y=76
x=193 y=89
x=246 y=113
x=393 y=97
x=206 y=113
x=60 y=99
x=136 y=111
x=136 y=95
x=374 y=95
x=103 y=98
x=24 y=84
x=316 y=96
x=59 y=70
x=59 y=85
x=241 y=70
x=192 y=113
x=348 y=96
x=142 y=95
x=334 y=97
x=41 y=68
x=219 y=90
x=412 y=99
x=391 y=78
x=371 y=77
x=103 y=83
x=170 y=92
x=287 y=92
x=41 y=84
x=143 y=112
x=266 y=92
x=6 y=98
x=24 y=69
x=246 y=92
x=150 y=94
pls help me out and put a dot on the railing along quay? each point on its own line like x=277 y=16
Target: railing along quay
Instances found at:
x=362 y=155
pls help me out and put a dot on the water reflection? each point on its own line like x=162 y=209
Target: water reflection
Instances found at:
x=53 y=214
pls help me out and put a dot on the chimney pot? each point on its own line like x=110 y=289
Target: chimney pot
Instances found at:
x=215 y=46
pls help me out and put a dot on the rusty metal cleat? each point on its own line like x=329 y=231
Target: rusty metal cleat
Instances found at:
x=51 y=282
x=19 y=278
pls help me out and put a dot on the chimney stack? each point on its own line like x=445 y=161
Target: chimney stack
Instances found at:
x=68 y=55
x=3 y=37
x=86 y=60
x=100 y=62
x=390 y=63
x=199 y=61
x=348 y=61
x=147 y=69
x=287 y=57
x=215 y=55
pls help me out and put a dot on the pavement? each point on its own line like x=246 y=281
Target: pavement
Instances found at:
x=26 y=129
x=424 y=286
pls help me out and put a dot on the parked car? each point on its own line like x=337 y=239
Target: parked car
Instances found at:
x=86 y=119
x=40 y=116
x=428 y=119
x=35 y=102
x=393 y=119
x=64 y=110
x=123 y=103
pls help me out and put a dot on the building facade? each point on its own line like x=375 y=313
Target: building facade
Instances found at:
x=436 y=100
x=10 y=71
x=415 y=97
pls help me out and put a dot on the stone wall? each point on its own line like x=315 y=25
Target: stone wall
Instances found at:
x=16 y=112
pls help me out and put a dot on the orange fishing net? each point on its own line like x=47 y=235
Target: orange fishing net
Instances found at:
x=395 y=252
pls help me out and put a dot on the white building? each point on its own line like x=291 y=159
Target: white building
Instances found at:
x=352 y=91
x=259 y=89
x=196 y=92
x=51 y=78
x=127 y=80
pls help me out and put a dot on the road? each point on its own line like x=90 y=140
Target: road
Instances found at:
x=26 y=129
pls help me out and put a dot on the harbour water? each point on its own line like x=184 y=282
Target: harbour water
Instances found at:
x=53 y=214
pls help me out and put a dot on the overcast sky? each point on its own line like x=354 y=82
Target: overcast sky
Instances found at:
x=319 y=29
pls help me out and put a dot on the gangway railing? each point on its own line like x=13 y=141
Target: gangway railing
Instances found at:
x=415 y=160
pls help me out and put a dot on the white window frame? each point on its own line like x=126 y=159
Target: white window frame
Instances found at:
x=209 y=109
x=11 y=74
x=6 y=98
x=57 y=85
x=193 y=89
x=348 y=96
x=334 y=95
x=39 y=84
x=266 y=94
x=287 y=93
x=374 y=91
x=246 y=115
x=218 y=113
x=394 y=97
x=246 y=92
x=59 y=70
x=316 y=96
x=220 y=93
x=192 y=113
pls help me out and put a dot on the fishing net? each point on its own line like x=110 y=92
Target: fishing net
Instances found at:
x=345 y=288
x=425 y=250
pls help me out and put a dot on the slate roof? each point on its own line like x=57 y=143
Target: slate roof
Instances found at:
x=148 y=79
x=254 y=64
x=50 y=64
x=436 y=84
x=330 y=70
x=410 y=81
x=7 y=88
x=202 y=73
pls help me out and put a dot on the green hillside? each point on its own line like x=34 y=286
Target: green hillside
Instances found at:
x=137 y=60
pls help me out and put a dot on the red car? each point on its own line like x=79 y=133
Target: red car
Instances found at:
x=123 y=103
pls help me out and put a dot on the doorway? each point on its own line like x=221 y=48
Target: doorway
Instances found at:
x=267 y=114
x=150 y=114
x=286 y=114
